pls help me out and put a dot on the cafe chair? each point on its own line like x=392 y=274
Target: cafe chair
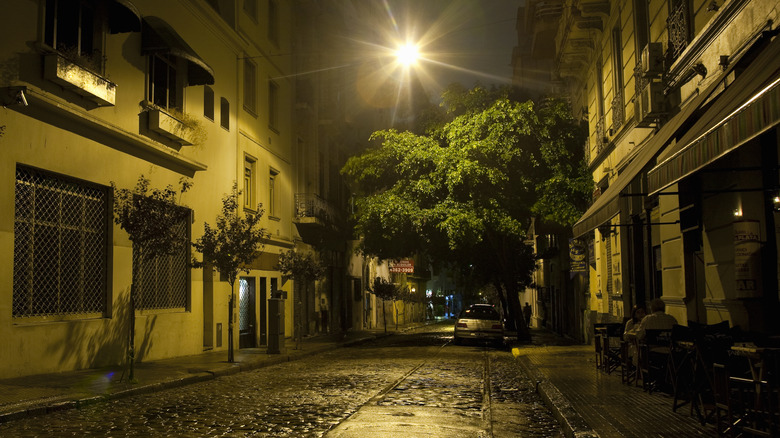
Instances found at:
x=611 y=349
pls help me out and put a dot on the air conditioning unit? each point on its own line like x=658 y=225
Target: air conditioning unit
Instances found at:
x=653 y=60
x=651 y=104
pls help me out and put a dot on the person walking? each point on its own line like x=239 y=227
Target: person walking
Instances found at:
x=527 y=314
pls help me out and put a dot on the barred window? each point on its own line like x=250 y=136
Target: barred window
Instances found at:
x=163 y=281
x=60 y=246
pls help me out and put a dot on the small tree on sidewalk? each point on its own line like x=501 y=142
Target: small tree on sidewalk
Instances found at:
x=384 y=290
x=231 y=246
x=302 y=268
x=151 y=220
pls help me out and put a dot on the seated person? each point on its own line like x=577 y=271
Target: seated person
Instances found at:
x=656 y=320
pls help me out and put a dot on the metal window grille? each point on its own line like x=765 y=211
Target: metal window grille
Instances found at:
x=163 y=281
x=60 y=235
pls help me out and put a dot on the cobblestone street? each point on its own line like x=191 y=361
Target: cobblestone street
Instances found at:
x=473 y=385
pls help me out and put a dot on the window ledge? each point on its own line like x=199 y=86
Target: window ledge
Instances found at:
x=171 y=127
x=54 y=109
x=274 y=218
x=70 y=75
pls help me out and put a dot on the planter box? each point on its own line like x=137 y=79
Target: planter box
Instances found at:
x=170 y=127
x=80 y=80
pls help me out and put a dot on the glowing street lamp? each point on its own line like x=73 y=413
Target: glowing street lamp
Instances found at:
x=407 y=54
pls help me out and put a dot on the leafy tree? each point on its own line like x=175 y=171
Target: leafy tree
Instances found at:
x=231 y=247
x=302 y=268
x=150 y=218
x=384 y=290
x=465 y=192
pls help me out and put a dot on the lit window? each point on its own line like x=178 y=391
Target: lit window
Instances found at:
x=60 y=246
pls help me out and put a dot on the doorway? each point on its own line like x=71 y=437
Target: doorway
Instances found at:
x=246 y=313
x=263 y=311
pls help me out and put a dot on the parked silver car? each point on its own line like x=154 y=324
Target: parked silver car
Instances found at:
x=479 y=322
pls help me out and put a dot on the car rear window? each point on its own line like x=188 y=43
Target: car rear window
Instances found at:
x=480 y=313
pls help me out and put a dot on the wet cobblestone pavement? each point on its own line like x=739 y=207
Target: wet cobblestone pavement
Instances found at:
x=311 y=396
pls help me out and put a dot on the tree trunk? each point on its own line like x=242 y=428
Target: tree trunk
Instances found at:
x=384 y=315
x=230 y=323
x=131 y=337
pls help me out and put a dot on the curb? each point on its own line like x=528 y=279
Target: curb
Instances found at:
x=65 y=403
x=574 y=426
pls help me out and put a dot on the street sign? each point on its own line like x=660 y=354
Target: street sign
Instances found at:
x=403 y=266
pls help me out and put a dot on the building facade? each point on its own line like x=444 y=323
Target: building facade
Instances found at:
x=680 y=101
x=96 y=93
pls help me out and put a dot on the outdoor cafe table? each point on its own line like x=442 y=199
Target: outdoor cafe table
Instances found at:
x=759 y=359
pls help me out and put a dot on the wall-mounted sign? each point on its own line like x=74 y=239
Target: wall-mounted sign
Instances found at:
x=403 y=266
x=578 y=260
x=747 y=258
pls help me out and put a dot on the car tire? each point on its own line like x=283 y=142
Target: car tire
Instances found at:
x=457 y=341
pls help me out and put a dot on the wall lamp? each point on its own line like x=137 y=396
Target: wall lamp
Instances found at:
x=13 y=96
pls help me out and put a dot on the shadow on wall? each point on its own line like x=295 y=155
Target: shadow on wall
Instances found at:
x=86 y=346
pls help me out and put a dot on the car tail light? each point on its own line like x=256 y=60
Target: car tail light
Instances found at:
x=461 y=324
x=497 y=326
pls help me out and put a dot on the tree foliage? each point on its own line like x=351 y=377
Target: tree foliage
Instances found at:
x=234 y=242
x=231 y=246
x=385 y=291
x=300 y=266
x=465 y=192
x=150 y=218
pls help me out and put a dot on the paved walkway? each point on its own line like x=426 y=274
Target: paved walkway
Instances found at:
x=586 y=401
x=590 y=402
x=39 y=394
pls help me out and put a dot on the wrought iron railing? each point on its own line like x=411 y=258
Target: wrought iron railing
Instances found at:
x=618 y=110
x=678 y=24
x=310 y=205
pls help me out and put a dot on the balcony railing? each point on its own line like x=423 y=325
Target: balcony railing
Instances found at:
x=310 y=205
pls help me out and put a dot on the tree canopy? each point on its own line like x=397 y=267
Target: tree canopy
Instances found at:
x=465 y=191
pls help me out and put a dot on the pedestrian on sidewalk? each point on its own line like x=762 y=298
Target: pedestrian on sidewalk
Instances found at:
x=527 y=314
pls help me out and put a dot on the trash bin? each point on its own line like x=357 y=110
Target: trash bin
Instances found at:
x=276 y=326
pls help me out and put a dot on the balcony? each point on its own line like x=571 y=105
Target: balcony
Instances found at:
x=315 y=218
x=172 y=127
x=80 y=80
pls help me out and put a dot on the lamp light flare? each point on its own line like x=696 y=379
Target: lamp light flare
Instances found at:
x=407 y=54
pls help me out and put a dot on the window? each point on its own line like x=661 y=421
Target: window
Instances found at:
x=618 y=104
x=273 y=22
x=208 y=103
x=224 y=113
x=250 y=7
x=165 y=85
x=272 y=192
x=163 y=281
x=60 y=245
x=249 y=183
x=273 y=102
x=679 y=25
x=75 y=29
x=250 y=90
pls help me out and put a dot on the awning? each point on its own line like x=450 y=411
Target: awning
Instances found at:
x=123 y=17
x=608 y=204
x=159 y=37
x=748 y=107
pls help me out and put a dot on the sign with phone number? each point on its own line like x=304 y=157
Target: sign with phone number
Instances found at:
x=405 y=266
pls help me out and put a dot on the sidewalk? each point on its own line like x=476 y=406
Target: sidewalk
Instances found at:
x=39 y=394
x=589 y=402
